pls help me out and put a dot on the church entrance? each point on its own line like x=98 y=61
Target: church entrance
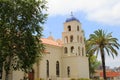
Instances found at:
x=31 y=75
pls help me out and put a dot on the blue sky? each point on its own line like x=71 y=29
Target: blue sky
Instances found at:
x=93 y=14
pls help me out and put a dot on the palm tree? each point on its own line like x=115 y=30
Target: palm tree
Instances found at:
x=102 y=43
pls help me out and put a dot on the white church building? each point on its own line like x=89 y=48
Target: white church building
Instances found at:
x=62 y=59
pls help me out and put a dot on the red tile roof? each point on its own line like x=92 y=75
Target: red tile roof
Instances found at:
x=51 y=42
x=110 y=74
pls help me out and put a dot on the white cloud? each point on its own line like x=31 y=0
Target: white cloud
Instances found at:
x=104 y=11
x=110 y=61
x=113 y=62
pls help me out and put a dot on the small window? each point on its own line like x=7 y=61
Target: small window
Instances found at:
x=57 y=69
x=69 y=28
x=68 y=71
x=77 y=28
x=71 y=38
x=77 y=38
x=47 y=68
x=79 y=50
x=81 y=39
x=72 y=49
x=65 y=50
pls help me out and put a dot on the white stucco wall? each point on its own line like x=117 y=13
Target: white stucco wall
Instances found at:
x=53 y=56
x=17 y=75
x=78 y=67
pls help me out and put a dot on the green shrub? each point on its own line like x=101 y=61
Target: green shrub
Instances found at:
x=41 y=79
x=80 y=79
x=73 y=79
x=83 y=79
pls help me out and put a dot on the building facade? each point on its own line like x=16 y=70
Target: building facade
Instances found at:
x=62 y=59
x=66 y=58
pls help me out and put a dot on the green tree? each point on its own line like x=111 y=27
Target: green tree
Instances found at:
x=21 y=28
x=103 y=43
x=93 y=62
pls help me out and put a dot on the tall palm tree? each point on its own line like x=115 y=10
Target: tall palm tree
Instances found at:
x=102 y=43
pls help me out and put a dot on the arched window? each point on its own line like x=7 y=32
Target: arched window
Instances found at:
x=81 y=39
x=82 y=51
x=66 y=39
x=47 y=68
x=77 y=38
x=69 y=28
x=72 y=49
x=68 y=71
x=65 y=50
x=78 y=50
x=77 y=28
x=57 y=69
x=71 y=38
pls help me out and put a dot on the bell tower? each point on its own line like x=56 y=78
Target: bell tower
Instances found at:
x=73 y=38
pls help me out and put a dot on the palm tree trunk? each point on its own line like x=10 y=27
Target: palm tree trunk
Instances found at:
x=103 y=63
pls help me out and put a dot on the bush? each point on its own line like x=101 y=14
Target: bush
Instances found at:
x=39 y=79
x=83 y=79
x=80 y=79
x=73 y=79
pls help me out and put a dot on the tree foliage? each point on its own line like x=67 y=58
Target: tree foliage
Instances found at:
x=20 y=32
x=93 y=62
x=101 y=42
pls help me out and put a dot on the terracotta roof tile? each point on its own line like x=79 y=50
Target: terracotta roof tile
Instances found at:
x=110 y=74
x=50 y=42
